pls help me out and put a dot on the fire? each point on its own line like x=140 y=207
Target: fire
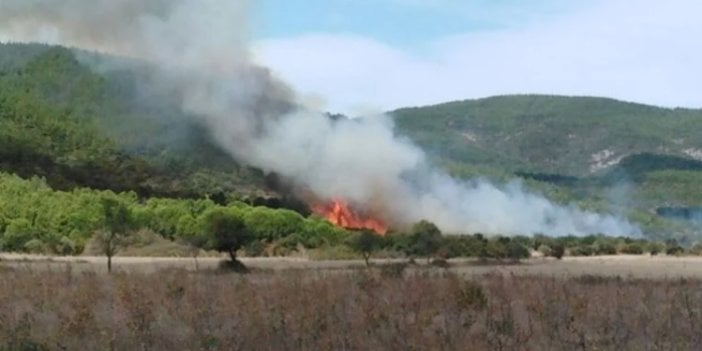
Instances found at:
x=339 y=213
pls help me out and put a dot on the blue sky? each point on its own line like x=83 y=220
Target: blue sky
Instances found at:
x=406 y=23
x=359 y=56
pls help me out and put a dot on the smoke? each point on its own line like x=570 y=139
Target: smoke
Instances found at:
x=199 y=52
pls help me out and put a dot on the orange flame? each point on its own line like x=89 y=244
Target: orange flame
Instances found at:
x=339 y=213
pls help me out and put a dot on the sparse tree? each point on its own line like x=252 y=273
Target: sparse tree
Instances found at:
x=366 y=242
x=117 y=223
x=190 y=233
x=425 y=239
x=227 y=232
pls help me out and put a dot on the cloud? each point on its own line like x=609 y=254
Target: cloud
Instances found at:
x=647 y=51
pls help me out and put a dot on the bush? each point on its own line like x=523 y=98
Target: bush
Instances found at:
x=17 y=234
x=672 y=248
x=654 y=248
x=605 y=248
x=393 y=270
x=557 y=250
x=66 y=247
x=496 y=249
x=255 y=248
x=632 y=249
x=545 y=250
x=471 y=296
x=517 y=251
x=35 y=246
x=582 y=250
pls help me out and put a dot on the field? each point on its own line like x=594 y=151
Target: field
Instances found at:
x=625 y=266
x=288 y=304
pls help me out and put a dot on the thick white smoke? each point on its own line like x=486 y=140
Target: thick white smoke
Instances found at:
x=199 y=49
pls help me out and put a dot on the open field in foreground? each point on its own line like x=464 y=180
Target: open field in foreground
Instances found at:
x=636 y=266
x=634 y=303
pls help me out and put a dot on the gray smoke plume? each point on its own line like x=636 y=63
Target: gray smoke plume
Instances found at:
x=200 y=50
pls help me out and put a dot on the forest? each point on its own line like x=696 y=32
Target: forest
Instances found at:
x=71 y=138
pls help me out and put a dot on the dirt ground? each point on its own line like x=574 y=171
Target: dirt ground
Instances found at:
x=624 y=266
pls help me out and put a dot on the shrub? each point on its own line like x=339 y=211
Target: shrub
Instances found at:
x=582 y=250
x=34 y=246
x=66 y=247
x=393 y=270
x=654 y=248
x=604 y=248
x=545 y=250
x=632 y=249
x=496 y=249
x=471 y=296
x=517 y=251
x=672 y=248
x=17 y=234
x=558 y=250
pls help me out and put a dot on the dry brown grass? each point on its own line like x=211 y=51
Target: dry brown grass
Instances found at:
x=351 y=309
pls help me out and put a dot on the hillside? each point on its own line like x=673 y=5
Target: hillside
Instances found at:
x=574 y=136
x=61 y=120
x=66 y=121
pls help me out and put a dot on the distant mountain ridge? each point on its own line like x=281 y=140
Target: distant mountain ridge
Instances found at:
x=573 y=136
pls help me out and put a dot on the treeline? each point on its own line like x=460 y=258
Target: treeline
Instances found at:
x=35 y=218
x=425 y=240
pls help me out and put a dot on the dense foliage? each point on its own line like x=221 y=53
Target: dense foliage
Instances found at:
x=36 y=218
x=61 y=120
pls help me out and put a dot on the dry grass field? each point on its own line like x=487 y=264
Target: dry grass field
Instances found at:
x=625 y=266
x=597 y=303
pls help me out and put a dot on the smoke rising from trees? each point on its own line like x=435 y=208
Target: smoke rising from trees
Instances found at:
x=198 y=51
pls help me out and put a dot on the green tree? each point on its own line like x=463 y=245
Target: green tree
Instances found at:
x=116 y=226
x=365 y=242
x=517 y=250
x=425 y=239
x=227 y=232
x=190 y=232
x=18 y=233
x=557 y=250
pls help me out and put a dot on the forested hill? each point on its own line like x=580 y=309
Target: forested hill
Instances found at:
x=575 y=136
x=62 y=121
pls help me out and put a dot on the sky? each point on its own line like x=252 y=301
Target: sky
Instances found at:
x=362 y=56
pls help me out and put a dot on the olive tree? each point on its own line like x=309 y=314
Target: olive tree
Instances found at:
x=116 y=225
x=365 y=242
x=226 y=232
x=425 y=240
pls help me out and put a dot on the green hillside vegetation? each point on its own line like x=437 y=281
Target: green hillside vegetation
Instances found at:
x=36 y=218
x=85 y=132
x=549 y=134
x=62 y=121
x=600 y=153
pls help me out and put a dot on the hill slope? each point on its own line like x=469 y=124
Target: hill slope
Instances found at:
x=576 y=136
x=67 y=122
x=61 y=120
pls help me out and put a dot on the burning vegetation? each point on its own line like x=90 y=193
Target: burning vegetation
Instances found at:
x=340 y=213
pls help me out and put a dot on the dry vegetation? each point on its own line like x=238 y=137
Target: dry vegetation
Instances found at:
x=383 y=308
